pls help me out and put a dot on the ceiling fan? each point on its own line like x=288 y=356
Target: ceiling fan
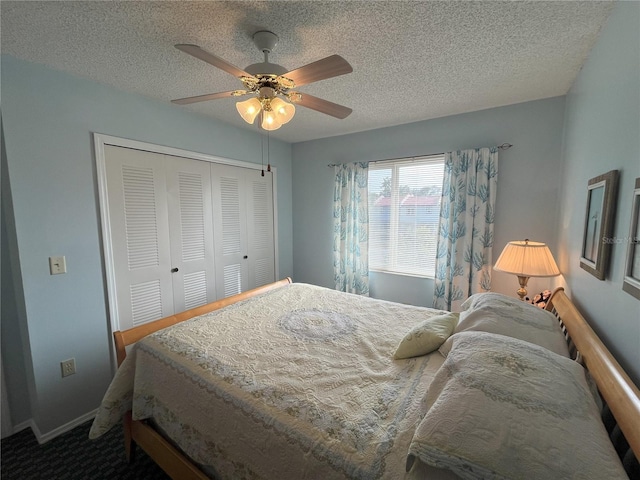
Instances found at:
x=269 y=83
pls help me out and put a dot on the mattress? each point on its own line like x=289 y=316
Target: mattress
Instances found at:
x=299 y=382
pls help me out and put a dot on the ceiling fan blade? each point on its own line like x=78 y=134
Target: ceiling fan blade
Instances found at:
x=326 y=68
x=212 y=59
x=210 y=96
x=323 y=106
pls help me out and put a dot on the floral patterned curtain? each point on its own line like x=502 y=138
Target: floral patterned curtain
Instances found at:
x=351 y=228
x=465 y=233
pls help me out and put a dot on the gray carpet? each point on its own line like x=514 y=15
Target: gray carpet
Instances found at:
x=73 y=456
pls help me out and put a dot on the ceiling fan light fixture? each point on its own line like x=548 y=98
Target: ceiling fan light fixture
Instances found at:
x=249 y=109
x=284 y=111
x=270 y=120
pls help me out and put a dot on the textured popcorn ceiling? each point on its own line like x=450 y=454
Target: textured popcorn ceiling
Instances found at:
x=411 y=60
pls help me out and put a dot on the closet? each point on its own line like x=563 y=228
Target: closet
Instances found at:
x=182 y=232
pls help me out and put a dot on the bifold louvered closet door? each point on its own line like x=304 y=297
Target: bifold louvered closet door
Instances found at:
x=179 y=232
x=244 y=240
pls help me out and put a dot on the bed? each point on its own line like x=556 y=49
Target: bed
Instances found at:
x=297 y=381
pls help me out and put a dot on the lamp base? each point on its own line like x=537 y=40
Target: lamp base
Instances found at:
x=522 y=291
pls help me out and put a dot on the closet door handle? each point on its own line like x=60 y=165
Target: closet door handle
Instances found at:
x=174 y=269
x=245 y=257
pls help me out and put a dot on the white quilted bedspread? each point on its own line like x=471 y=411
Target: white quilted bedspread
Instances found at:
x=299 y=383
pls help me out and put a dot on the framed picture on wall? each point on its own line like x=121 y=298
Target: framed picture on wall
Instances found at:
x=631 y=282
x=598 y=224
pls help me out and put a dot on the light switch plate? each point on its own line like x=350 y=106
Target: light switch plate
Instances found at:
x=57 y=265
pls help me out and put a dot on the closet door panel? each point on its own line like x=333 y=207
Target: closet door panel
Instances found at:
x=191 y=232
x=136 y=184
x=230 y=231
x=260 y=234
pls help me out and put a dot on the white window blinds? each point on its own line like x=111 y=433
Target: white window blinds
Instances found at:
x=404 y=209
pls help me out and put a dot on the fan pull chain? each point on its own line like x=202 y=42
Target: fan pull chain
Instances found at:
x=261 y=145
x=268 y=153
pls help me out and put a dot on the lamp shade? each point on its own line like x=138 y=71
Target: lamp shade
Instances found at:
x=527 y=259
x=284 y=111
x=249 y=109
x=270 y=120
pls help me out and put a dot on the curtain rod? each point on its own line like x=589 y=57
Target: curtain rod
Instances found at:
x=504 y=146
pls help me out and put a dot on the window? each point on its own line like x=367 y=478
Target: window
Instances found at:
x=404 y=210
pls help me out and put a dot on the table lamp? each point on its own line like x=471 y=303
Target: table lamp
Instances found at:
x=526 y=259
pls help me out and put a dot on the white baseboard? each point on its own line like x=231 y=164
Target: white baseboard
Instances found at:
x=21 y=426
x=45 y=437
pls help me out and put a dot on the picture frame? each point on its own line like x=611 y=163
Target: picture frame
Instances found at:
x=631 y=281
x=598 y=224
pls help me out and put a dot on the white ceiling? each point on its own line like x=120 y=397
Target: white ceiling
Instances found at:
x=411 y=60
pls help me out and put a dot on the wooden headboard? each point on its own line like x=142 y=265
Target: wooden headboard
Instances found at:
x=618 y=392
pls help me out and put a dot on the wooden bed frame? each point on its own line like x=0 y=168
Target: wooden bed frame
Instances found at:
x=618 y=391
x=172 y=461
x=620 y=395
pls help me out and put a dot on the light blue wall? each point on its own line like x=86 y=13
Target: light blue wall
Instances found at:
x=528 y=185
x=13 y=334
x=48 y=119
x=602 y=133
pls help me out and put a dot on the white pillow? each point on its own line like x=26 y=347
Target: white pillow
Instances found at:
x=501 y=408
x=496 y=313
x=426 y=336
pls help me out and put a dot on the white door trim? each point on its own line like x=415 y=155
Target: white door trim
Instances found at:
x=99 y=142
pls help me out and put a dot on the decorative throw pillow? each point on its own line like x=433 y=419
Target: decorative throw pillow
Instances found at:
x=496 y=313
x=427 y=336
x=501 y=408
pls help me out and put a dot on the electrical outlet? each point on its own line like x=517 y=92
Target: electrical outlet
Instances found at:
x=68 y=367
